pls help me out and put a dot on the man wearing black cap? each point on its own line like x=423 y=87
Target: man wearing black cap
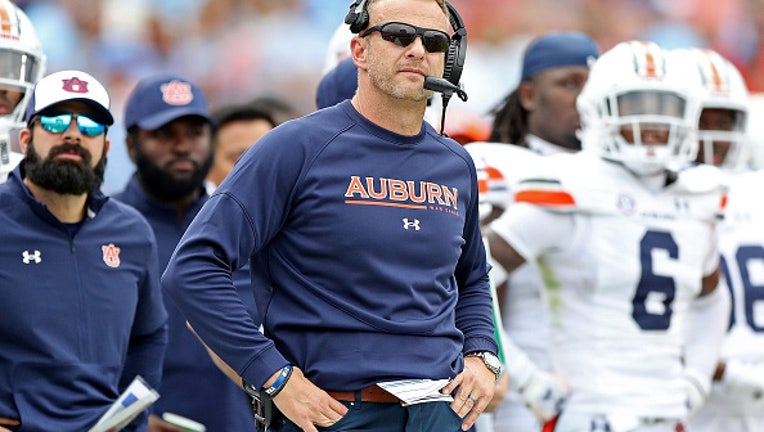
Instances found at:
x=538 y=118
x=169 y=138
x=82 y=313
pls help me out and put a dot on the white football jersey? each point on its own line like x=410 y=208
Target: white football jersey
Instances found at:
x=499 y=166
x=621 y=266
x=742 y=246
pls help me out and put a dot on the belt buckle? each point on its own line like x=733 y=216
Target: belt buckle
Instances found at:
x=262 y=409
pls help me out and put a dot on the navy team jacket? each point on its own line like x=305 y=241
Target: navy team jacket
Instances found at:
x=192 y=385
x=80 y=315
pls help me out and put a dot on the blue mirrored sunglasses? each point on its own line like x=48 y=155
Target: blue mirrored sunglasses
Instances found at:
x=58 y=124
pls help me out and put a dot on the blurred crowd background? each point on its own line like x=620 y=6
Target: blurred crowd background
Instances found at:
x=238 y=49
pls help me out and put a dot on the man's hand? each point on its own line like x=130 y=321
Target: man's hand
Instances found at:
x=544 y=394
x=307 y=405
x=476 y=385
x=8 y=422
x=695 y=396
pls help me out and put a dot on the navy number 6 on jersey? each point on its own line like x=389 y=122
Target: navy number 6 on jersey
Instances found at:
x=663 y=286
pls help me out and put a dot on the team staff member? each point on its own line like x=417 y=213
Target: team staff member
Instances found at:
x=238 y=127
x=361 y=226
x=169 y=137
x=82 y=312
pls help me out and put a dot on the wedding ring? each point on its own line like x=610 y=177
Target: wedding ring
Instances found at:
x=473 y=397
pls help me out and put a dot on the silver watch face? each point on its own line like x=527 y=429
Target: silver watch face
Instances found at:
x=492 y=362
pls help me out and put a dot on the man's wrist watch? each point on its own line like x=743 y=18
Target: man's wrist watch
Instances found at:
x=490 y=360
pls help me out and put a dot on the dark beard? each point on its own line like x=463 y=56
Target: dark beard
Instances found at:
x=64 y=176
x=162 y=185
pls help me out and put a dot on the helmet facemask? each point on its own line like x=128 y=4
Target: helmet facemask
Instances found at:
x=722 y=139
x=650 y=131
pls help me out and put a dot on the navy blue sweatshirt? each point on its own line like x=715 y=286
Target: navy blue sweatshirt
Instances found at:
x=366 y=255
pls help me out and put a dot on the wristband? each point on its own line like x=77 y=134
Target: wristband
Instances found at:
x=280 y=382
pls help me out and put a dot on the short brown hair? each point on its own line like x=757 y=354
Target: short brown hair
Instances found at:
x=441 y=3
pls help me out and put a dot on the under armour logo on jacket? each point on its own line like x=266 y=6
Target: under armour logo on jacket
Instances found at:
x=28 y=257
x=411 y=224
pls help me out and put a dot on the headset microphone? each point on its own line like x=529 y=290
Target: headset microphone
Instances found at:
x=444 y=86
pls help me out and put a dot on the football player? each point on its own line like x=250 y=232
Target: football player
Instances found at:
x=736 y=402
x=538 y=118
x=624 y=233
x=22 y=64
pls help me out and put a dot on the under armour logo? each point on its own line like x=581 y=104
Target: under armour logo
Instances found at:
x=681 y=205
x=28 y=257
x=600 y=424
x=411 y=224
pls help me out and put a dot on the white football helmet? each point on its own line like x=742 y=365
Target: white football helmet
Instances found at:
x=755 y=130
x=339 y=47
x=723 y=97
x=637 y=109
x=22 y=64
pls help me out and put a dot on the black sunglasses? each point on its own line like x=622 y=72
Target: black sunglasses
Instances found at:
x=403 y=35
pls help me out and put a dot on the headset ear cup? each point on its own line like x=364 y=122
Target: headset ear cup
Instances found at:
x=357 y=17
x=457 y=50
x=448 y=69
x=360 y=21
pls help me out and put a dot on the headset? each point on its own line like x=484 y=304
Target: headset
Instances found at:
x=358 y=19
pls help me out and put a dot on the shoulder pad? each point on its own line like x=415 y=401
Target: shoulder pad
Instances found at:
x=700 y=178
x=499 y=165
x=548 y=185
x=580 y=182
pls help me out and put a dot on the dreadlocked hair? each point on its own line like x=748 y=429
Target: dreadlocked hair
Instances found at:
x=510 y=121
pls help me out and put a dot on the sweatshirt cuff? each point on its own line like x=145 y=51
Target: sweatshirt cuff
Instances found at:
x=261 y=368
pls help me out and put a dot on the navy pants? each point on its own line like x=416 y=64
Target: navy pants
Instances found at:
x=388 y=417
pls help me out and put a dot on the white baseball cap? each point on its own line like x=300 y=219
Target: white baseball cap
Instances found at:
x=70 y=85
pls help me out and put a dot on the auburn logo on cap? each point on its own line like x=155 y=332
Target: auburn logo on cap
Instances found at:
x=177 y=93
x=75 y=85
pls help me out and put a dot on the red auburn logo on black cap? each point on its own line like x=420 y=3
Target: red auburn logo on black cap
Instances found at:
x=75 y=85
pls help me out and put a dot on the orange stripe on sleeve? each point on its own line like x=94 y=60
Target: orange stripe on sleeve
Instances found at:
x=545 y=197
